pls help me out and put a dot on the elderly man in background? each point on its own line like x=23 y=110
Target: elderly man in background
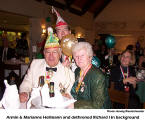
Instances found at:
x=62 y=76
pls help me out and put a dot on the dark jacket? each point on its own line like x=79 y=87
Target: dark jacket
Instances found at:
x=117 y=77
x=93 y=93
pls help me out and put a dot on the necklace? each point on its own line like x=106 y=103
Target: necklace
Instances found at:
x=125 y=75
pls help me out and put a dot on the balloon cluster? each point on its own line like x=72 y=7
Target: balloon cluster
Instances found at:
x=110 y=41
x=67 y=43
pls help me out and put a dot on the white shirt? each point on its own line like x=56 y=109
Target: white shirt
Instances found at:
x=63 y=75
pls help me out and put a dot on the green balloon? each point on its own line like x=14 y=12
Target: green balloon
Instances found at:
x=48 y=19
x=96 y=61
x=110 y=41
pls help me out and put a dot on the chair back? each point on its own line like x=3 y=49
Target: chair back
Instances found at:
x=144 y=105
x=118 y=96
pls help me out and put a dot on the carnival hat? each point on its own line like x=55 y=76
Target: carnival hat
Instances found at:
x=52 y=41
x=60 y=20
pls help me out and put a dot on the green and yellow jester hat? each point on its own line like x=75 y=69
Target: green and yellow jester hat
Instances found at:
x=52 y=41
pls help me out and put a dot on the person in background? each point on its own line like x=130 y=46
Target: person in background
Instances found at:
x=62 y=76
x=111 y=58
x=133 y=49
x=11 y=53
x=142 y=60
x=104 y=52
x=89 y=89
x=124 y=78
x=96 y=49
x=22 y=48
x=63 y=29
x=5 y=46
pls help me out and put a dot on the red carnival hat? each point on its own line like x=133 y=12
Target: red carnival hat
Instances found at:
x=59 y=21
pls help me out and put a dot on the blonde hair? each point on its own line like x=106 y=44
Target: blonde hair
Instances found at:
x=132 y=62
x=83 y=45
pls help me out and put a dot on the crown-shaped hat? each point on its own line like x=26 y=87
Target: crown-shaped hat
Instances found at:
x=59 y=21
x=51 y=41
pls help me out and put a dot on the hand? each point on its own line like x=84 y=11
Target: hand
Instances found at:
x=23 y=97
x=66 y=63
x=131 y=80
x=67 y=95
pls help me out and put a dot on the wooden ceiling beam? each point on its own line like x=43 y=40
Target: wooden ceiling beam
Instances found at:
x=85 y=8
x=72 y=10
x=87 y=5
x=105 y=3
x=75 y=11
x=69 y=3
x=63 y=6
x=55 y=4
x=39 y=0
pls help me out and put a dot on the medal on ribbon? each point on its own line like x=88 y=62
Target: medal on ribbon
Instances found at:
x=82 y=87
x=62 y=88
x=49 y=75
x=81 y=83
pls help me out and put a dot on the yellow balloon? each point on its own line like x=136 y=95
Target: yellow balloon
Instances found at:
x=67 y=43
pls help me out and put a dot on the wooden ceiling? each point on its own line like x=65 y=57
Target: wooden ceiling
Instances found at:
x=79 y=7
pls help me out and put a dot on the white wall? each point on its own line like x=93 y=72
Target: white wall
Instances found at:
x=123 y=17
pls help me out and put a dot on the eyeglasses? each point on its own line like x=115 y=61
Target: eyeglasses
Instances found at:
x=79 y=57
x=127 y=57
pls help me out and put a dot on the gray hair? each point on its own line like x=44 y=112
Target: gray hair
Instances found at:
x=83 y=45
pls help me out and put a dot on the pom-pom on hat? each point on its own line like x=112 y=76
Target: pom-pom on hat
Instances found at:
x=52 y=41
x=59 y=21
